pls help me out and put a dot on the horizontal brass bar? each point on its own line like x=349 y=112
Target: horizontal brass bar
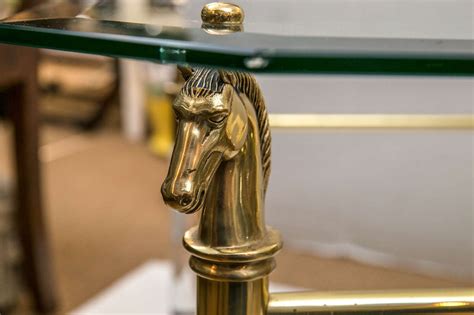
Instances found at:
x=373 y=302
x=371 y=121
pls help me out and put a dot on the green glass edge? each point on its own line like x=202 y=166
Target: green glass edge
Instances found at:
x=112 y=46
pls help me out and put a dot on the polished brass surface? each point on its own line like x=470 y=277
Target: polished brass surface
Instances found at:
x=232 y=272
x=375 y=302
x=221 y=166
x=220 y=18
x=371 y=121
x=219 y=13
x=252 y=251
x=236 y=298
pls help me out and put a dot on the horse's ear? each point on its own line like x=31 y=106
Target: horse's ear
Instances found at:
x=228 y=93
x=186 y=72
x=236 y=128
x=227 y=76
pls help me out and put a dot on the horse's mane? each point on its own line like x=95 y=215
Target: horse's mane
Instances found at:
x=204 y=82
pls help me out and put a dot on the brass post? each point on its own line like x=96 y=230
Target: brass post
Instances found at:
x=220 y=166
x=236 y=298
x=232 y=280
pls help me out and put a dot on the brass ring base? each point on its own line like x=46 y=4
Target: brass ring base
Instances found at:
x=251 y=252
x=238 y=272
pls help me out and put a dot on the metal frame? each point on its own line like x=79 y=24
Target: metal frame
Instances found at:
x=221 y=166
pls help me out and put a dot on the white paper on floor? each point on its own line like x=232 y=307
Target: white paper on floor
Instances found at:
x=149 y=290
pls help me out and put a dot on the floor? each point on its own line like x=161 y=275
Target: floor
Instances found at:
x=106 y=217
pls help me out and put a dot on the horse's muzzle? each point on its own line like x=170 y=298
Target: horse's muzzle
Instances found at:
x=179 y=199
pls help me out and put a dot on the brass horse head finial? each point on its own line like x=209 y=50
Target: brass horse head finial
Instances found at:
x=214 y=110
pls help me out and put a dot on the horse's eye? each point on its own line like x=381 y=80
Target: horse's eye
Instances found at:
x=217 y=119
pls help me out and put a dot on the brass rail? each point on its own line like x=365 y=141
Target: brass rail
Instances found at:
x=371 y=121
x=373 y=302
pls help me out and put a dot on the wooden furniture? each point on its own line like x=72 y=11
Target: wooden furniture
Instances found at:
x=70 y=75
x=18 y=80
x=18 y=66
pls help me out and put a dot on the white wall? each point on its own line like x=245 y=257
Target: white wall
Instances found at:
x=397 y=198
x=353 y=18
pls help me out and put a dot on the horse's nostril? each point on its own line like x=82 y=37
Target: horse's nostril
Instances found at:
x=189 y=171
x=186 y=200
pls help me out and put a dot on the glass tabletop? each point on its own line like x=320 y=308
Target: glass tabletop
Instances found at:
x=399 y=37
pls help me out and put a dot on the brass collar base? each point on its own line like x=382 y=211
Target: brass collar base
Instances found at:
x=237 y=272
x=234 y=263
x=250 y=252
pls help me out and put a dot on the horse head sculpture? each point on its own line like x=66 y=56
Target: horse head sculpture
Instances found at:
x=221 y=159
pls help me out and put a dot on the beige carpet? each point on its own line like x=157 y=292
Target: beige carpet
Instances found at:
x=106 y=217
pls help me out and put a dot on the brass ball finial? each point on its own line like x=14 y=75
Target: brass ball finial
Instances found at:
x=221 y=16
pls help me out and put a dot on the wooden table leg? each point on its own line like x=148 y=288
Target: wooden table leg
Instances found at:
x=22 y=100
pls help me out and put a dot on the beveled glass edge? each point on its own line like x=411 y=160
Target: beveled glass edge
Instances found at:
x=246 y=59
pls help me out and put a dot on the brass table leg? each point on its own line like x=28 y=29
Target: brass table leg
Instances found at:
x=221 y=166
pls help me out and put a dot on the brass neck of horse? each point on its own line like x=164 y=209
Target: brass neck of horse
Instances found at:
x=233 y=209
